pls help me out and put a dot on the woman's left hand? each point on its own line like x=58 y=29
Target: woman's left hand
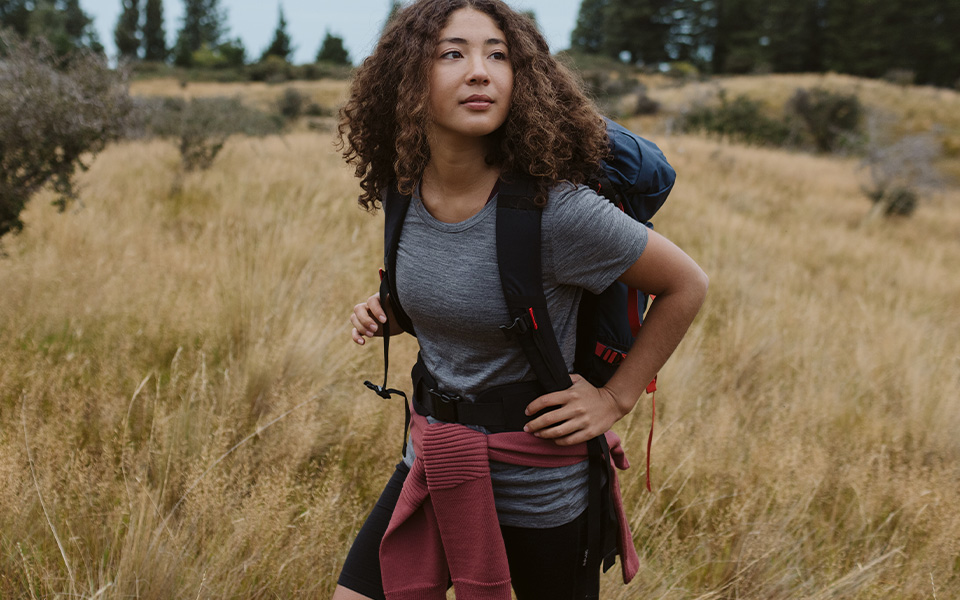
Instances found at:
x=582 y=412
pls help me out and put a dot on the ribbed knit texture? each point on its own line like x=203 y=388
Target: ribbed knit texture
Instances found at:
x=445 y=527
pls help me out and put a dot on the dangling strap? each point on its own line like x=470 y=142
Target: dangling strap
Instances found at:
x=652 y=390
x=382 y=390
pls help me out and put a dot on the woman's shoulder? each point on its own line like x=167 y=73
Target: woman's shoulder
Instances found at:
x=564 y=193
x=570 y=201
x=579 y=211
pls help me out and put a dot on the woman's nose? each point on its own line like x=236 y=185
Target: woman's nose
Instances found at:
x=478 y=72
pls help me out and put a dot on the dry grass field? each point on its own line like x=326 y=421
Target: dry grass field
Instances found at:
x=182 y=413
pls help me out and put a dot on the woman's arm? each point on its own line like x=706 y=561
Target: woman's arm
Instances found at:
x=584 y=411
x=369 y=315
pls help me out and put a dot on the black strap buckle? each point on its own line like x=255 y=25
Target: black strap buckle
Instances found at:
x=444 y=406
x=383 y=391
x=518 y=327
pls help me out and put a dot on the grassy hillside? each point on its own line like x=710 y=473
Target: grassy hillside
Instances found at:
x=326 y=92
x=182 y=413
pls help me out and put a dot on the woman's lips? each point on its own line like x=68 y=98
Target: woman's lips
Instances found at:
x=477 y=102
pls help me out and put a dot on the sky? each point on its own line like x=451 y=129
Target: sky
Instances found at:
x=358 y=22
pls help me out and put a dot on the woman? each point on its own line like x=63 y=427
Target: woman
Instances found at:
x=457 y=94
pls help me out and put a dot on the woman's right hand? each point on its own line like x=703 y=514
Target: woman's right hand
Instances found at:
x=367 y=318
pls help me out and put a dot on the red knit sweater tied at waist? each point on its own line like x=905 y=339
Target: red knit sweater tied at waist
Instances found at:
x=445 y=524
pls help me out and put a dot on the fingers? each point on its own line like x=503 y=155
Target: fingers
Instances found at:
x=366 y=319
x=376 y=309
x=554 y=399
x=578 y=414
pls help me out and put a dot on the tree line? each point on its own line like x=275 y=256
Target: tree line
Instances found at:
x=202 y=39
x=63 y=23
x=139 y=33
x=915 y=39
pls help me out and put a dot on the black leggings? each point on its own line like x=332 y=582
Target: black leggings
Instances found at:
x=544 y=563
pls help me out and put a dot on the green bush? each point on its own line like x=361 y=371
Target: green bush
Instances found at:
x=739 y=119
x=291 y=103
x=832 y=119
x=202 y=125
x=683 y=70
x=54 y=113
x=315 y=109
x=271 y=69
x=896 y=202
x=320 y=70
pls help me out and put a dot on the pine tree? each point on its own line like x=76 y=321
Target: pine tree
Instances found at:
x=280 y=46
x=203 y=24
x=15 y=14
x=333 y=51
x=692 y=24
x=127 y=32
x=794 y=36
x=638 y=29
x=78 y=24
x=61 y=22
x=154 y=35
x=588 y=35
x=737 y=36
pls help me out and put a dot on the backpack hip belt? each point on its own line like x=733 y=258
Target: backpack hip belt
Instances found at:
x=497 y=409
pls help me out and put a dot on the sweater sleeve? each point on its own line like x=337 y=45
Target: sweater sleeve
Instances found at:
x=588 y=241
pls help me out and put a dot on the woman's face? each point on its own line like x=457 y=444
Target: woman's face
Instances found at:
x=471 y=78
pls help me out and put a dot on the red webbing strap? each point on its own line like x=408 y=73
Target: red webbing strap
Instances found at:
x=651 y=389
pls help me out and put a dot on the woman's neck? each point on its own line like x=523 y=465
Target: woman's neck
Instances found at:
x=457 y=181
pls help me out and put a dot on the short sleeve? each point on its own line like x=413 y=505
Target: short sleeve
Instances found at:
x=588 y=241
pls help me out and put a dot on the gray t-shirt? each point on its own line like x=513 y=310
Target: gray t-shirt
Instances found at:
x=449 y=285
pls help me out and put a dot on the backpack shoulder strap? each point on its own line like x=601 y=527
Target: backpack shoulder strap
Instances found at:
x=521 y=276
x=395 y=211
x=395 y=208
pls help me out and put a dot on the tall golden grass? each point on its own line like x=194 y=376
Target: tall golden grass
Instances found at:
x=182 y=414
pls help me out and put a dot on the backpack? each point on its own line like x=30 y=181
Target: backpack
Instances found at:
x=637 y=178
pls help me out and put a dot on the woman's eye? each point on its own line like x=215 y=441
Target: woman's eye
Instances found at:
x=452 y=54
x=499 y=55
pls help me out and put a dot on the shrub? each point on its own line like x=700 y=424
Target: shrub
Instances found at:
x=271 y=69
x=895 y=202
x=645 y=105
x=291 y=103
x=832 y=119
x=682 y=70
x=202 y=125
x=315 y=109
x=900 y=172
x=53 y=113
x=740 y=119
x=320 y=70
x=207 y=57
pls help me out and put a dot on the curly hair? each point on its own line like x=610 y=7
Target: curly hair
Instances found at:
x=553 y=131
